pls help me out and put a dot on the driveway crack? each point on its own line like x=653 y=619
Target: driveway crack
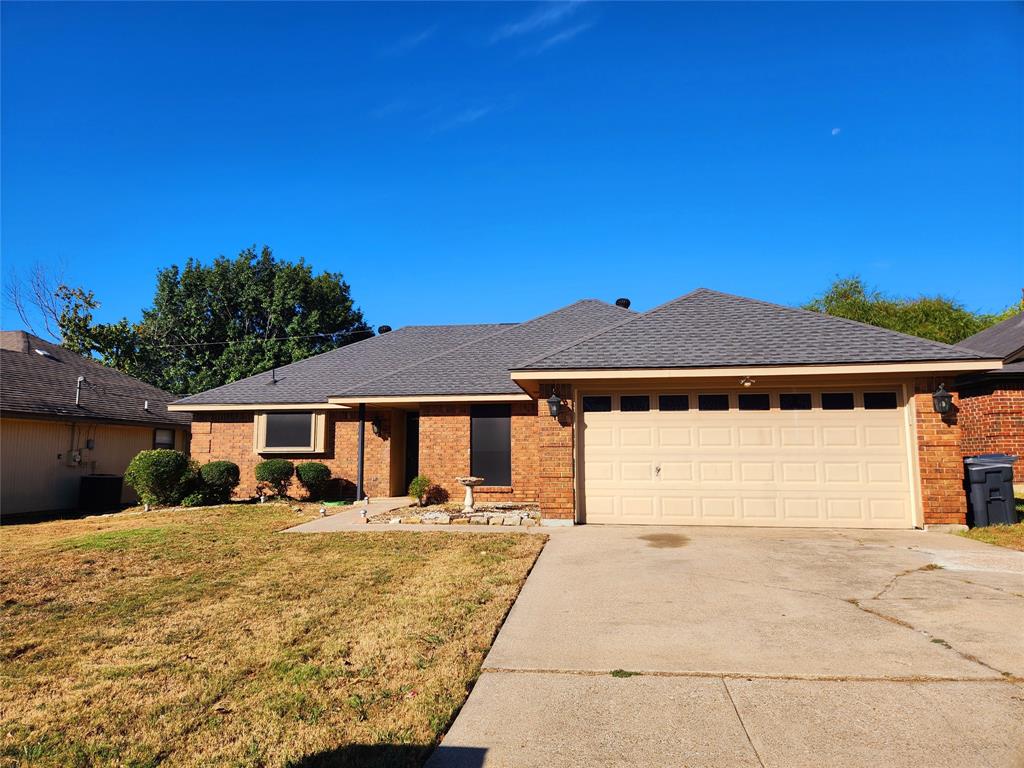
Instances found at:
x=938 y=641
x=742 y=724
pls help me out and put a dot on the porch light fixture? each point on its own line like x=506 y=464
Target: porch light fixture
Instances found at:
x=554 y=405
x=746 y=381
x=942 y=401
x=375 y=426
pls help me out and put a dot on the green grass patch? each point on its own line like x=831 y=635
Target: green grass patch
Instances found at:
x=624 y=673
x=118 y=540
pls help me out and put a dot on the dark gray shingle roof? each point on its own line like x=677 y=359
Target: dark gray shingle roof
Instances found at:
x=34 y=384
x=315 y=379
x=1004 y=340
x=481 y=367
x=710 y=329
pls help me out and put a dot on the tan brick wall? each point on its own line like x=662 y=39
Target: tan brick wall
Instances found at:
x=228 y=436
x=992 y=421
x=556 y=460
x=445 y=451
x=939 y=458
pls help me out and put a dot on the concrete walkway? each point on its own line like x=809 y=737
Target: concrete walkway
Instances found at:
x=350 y=517
x=755 y=647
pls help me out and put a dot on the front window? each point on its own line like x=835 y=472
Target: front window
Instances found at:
x=490 y=443
x=163 y=438
x=290 y=432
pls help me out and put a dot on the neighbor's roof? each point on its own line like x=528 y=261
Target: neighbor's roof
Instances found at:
x=1004 y=340
x=38 y=378
x=707 y=329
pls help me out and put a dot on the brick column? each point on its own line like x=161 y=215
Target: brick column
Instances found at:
x=555 y=441
x=939 y=458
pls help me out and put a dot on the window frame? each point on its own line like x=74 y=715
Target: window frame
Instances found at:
x=174 y=438
x=635 y=397
x=317 y=424
x=728 y=402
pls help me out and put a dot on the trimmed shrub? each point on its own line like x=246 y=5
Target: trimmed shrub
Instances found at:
x=314 y=476
x=276 y=474
x=160 y=477
x=418 y=488
x=195 y=499
x=220 y=478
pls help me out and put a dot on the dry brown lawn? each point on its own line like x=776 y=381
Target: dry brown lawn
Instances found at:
x=205 y=637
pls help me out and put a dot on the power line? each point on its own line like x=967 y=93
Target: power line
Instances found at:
x=335 y=335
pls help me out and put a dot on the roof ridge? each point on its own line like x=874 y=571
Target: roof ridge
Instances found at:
x=847 y=320
x=633 y=316
x=466 y=344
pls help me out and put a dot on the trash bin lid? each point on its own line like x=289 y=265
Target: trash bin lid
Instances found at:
x=992 y=460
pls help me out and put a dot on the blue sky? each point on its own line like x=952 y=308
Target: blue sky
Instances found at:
x=490 y=162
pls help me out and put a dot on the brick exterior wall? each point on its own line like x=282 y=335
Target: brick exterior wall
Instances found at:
x=445 y=451
x=228 y=435
x=557 y=460
x=940 y=459
x=992 y=421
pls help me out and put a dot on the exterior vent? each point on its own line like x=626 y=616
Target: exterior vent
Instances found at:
x=44 y=353
x=384 y=329
x=624 y=303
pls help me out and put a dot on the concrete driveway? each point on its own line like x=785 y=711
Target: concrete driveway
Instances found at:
x=755 y=647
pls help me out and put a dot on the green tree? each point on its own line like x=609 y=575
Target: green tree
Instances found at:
x=213 y=324
x=930 y=317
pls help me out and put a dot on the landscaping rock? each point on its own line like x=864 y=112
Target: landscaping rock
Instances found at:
x=528 y=521
x=478 y=519
x=413 y=520
x=495 y=520
x=395 y=520
x=511 y=520
x=460 y=521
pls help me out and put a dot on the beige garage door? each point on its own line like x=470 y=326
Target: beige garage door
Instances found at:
x=836 y=458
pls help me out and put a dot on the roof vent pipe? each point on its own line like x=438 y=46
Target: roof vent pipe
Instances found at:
x=384 y=329
x=624 y=303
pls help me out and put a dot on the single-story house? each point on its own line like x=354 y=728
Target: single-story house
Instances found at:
x=992 y=402
x=63 y=416
x=711 y=409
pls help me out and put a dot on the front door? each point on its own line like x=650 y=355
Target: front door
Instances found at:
x=412 y=446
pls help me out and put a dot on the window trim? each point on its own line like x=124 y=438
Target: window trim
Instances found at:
x=317 y=428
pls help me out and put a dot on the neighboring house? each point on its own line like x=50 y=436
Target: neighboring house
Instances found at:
x=992 y=403
x=63 y=416
x=710 y=409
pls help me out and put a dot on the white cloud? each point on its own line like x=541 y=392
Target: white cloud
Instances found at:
x=406 y=44
x=563 y=37
x=835 y=131
x=547 y=15
x=466 y=117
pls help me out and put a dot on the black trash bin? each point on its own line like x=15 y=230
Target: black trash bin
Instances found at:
x=100 y=493
x=989 y=481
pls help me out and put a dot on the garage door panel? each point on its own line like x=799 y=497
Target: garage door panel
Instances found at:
x=789 y=468
x=716 y=471
x=799 y=472
x=671 y=437
x=711 y=437
x=757 y=472
x=718 y=507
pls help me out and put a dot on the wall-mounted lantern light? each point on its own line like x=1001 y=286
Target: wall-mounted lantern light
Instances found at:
x=375 y=426
x=554 y=405
x=942 y=401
